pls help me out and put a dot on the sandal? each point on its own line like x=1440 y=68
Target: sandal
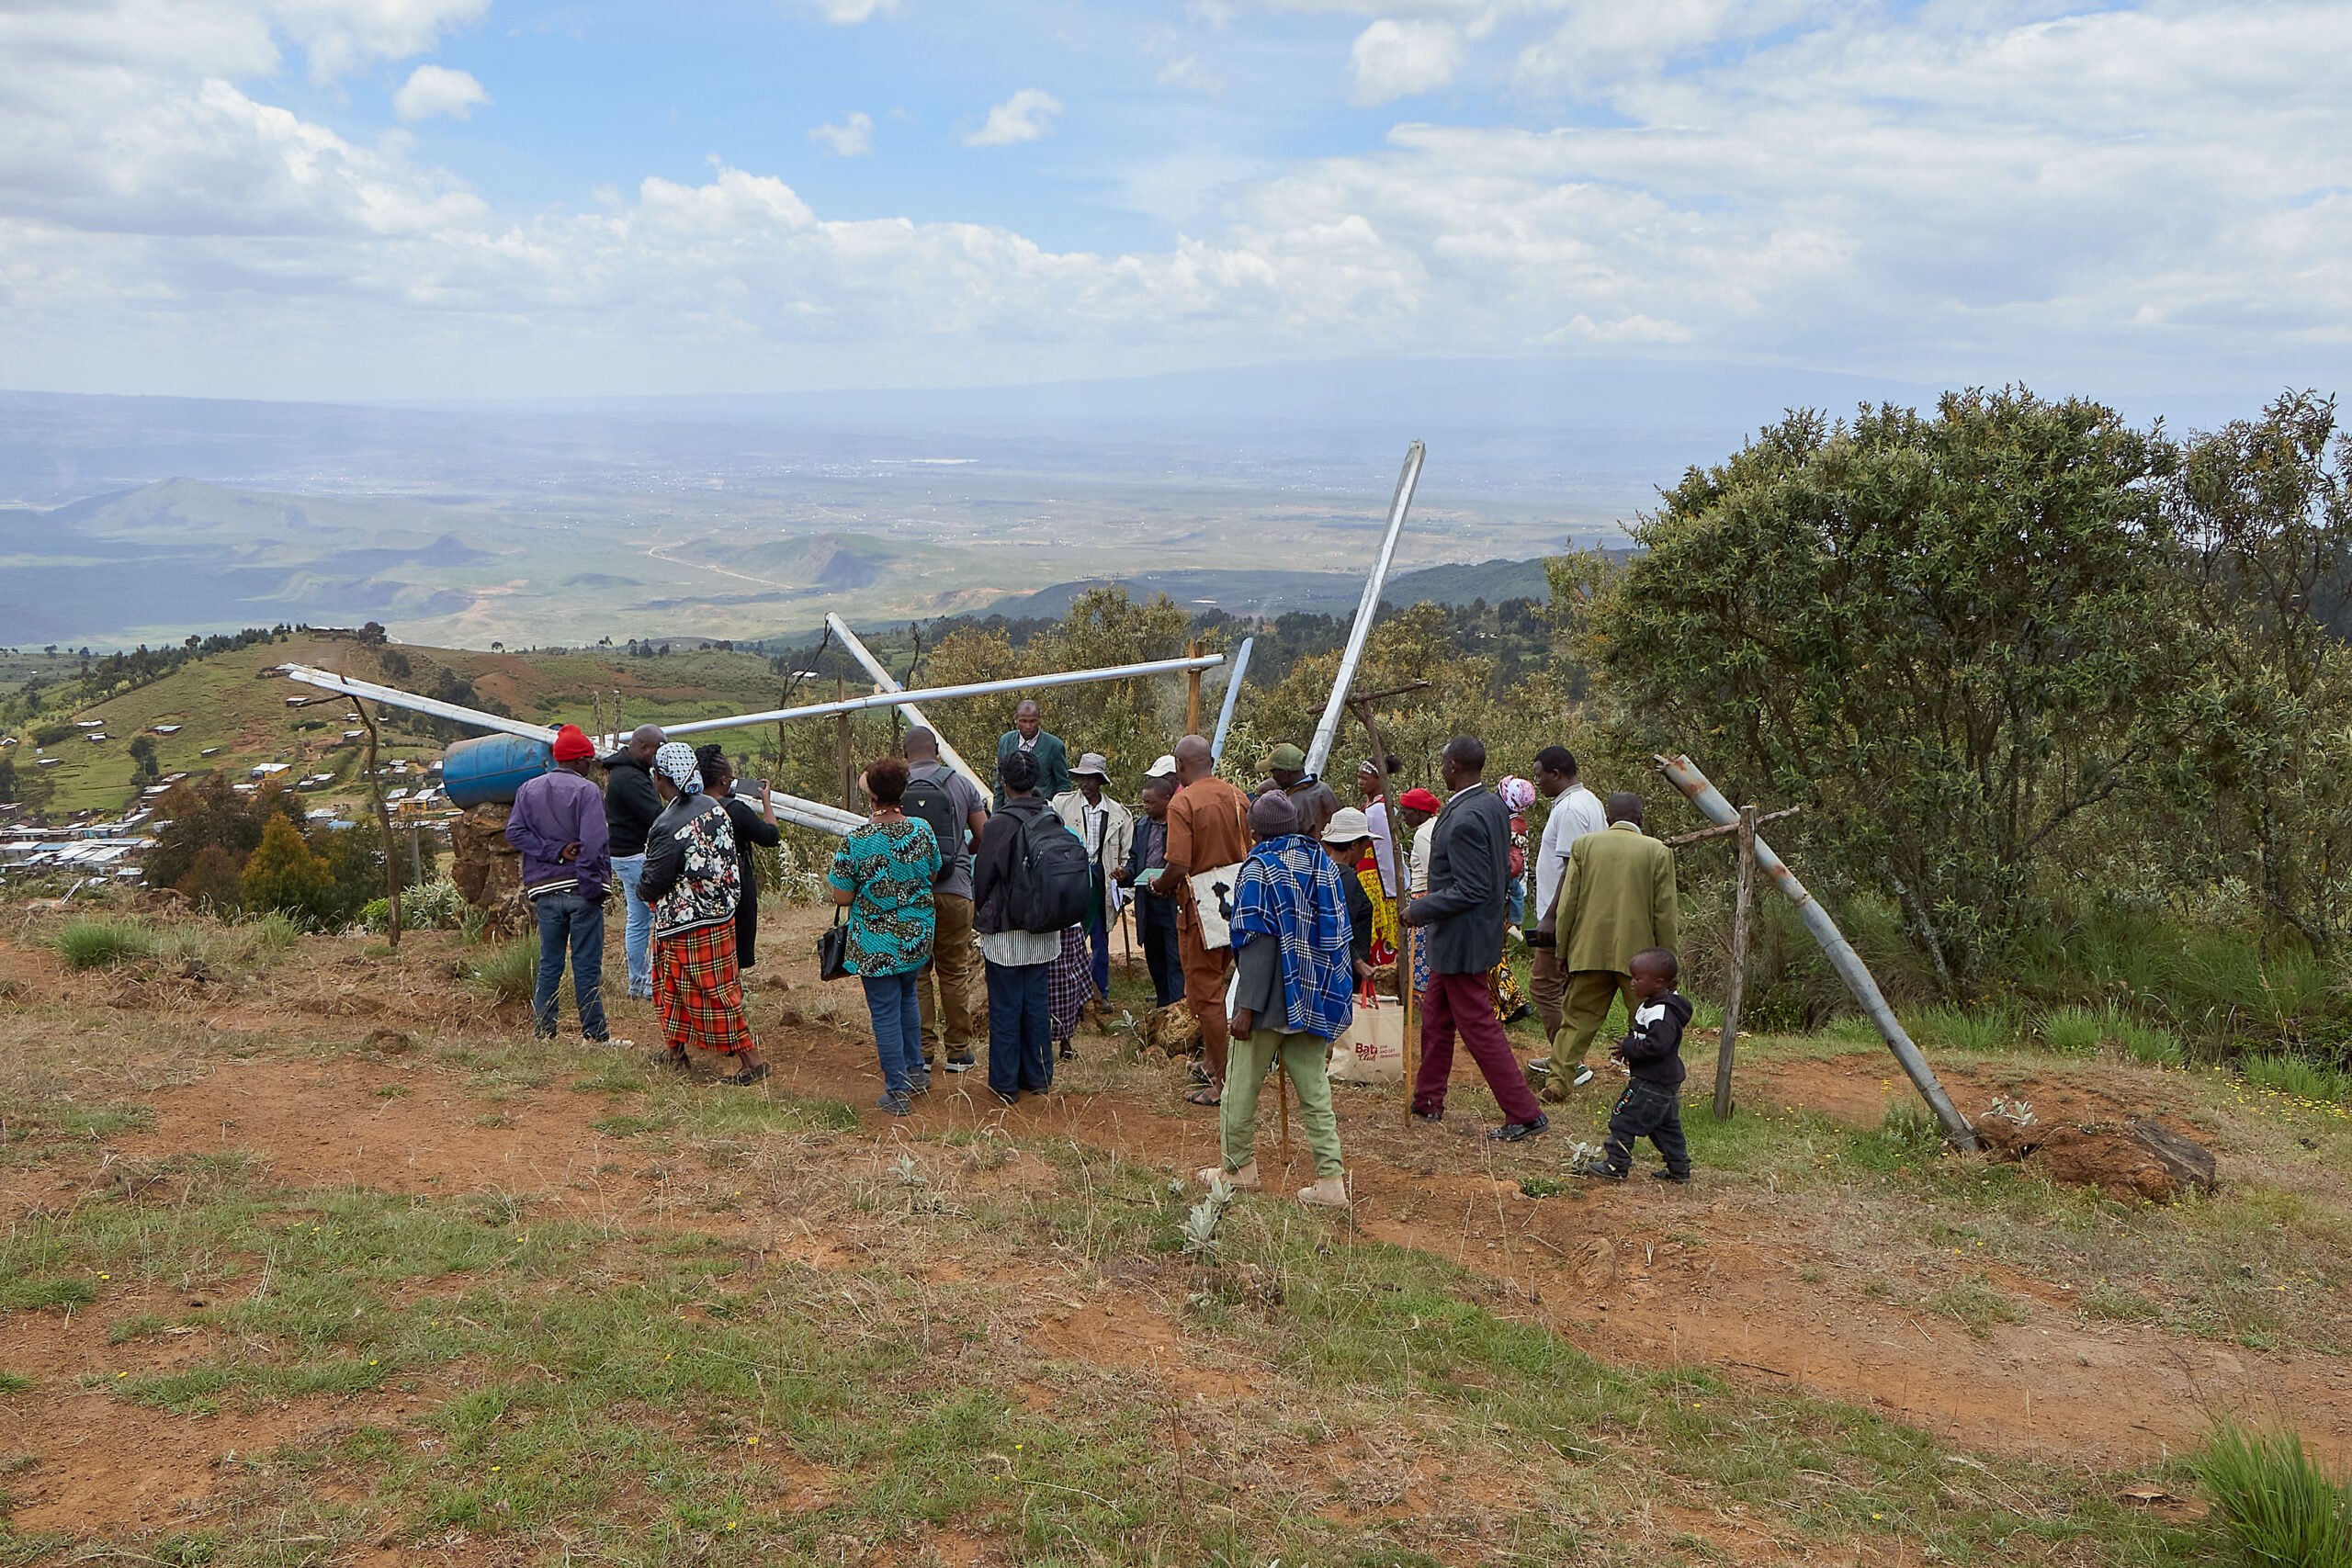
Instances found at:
x=676 y=1061
x=747 y=1078
x=1204 y=1095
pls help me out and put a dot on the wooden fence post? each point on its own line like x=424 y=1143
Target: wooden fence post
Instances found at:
x=383 y=822
x=1735 y=988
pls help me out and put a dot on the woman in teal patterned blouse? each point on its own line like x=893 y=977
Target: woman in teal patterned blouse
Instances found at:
x=883 y=875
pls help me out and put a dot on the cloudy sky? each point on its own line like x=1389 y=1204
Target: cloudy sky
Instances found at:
x=382 y=199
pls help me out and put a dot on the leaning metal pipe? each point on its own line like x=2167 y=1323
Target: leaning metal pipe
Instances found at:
x=1685 y=776
x=940 y=694
x=802 y=813
x=395 y=697
x=1232 y=692
x=887 y=682
x=1367 y=608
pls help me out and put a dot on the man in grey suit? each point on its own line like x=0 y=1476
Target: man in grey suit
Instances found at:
x=1466 y=911
x=1028 y=734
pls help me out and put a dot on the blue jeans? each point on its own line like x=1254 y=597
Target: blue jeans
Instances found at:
x=897 y=1027
x=637 y=936
x=1021 y=1045
x=566 y=920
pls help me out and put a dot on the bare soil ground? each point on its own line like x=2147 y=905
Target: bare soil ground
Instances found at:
x=1820 y=1262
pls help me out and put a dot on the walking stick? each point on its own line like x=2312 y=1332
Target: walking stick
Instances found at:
x=1282 y=1087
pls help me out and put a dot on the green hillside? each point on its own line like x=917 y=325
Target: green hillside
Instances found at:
x=230 y=703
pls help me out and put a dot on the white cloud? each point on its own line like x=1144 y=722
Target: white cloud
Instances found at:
x=1024 y=117
x=340 y=36
x=853 y=138
x=1188 y=73
x=2149 y=198
x=1393 y=59
x=436 y=89
x=850 y=13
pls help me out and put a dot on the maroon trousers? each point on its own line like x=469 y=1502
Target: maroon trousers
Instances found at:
x=1464 y=1002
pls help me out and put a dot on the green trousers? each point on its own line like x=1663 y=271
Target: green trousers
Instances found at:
x=1583 y=1010
x=1307 y=1059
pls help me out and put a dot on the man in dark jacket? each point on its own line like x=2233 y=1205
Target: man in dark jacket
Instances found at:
x=631 y=804
x=1021 y=1044
x=1465 y=912
x=559 y=825
x=1029 y=737
x=1651 y=1106
x=1155 y=919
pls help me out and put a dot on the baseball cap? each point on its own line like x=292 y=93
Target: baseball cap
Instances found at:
x=1418 y=800
x=1165 y=768
x=1286 y=756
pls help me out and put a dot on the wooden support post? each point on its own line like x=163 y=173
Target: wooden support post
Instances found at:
x=415 y=859
x=383 y=823
x=841 y=739
x=1736 y=986
x=596 y=701
x=1193 y=691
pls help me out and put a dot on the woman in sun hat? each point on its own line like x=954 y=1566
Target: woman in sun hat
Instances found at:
x=692 y=880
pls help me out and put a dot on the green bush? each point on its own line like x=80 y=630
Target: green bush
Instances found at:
x=2284 y=1511
x=2073 y=1032
x=2148 y=1043
x=2298 y=1077
x=507 y=973
x=102 y=945
x=432 y=905
x=1988 y=1028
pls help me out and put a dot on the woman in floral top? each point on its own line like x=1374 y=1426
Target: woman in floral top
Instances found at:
x=883 y=876
x=691 y=881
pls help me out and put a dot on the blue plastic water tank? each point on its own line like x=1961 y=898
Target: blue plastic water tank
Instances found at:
x=492 y=767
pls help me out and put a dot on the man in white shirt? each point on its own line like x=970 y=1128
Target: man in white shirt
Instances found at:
x=1576 y=811
x=1108 y=830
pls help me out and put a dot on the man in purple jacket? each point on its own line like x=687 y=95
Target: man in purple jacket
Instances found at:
x=558 y=824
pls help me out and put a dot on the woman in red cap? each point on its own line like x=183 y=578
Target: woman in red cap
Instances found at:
x=1417 y=811
x=558 y=823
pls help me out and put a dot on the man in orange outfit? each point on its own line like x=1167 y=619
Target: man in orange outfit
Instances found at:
x=1208 y=827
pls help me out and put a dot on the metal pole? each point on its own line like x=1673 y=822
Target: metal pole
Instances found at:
x=1366 y=608
x=1232 y=694
x=395 y=697
x=886 y=681
x=1685 y=776
x=812 y=814
x=849 y=769
x=941 y=694
x=1736 y=988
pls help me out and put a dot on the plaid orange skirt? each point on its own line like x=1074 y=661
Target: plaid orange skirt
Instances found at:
x=698 y=991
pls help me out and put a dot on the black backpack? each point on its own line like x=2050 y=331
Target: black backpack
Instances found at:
x=1052 y=880
x=927 y=800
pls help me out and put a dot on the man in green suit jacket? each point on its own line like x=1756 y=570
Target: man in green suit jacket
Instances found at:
x=1616 y=899
x=1028 y=734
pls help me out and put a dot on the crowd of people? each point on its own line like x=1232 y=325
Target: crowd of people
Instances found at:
x=1265 y=914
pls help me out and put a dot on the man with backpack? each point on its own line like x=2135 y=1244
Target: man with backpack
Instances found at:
x=954 y=807
x=1030 y=881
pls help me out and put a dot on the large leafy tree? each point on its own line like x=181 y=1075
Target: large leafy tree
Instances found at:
x=1935 y=631
x=2262 y=513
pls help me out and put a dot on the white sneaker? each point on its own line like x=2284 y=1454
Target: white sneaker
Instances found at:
x=1584 y=1076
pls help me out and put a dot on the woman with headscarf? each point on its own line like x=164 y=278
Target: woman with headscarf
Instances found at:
x=1517 y=794
x=693 y=878
x=755 y=828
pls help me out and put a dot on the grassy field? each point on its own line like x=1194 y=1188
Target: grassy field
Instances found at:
x=319 y=1258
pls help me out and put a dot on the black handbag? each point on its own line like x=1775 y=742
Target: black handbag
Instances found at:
x=833 y=950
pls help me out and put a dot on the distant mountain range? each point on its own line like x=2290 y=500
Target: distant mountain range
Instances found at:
x=1263 y=593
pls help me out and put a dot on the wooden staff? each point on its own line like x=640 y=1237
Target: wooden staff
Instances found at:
x=1737 y=985
x=1193 y=691
x=384 y=822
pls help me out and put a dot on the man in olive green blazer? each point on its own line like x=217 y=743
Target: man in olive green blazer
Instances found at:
x=1616 y=899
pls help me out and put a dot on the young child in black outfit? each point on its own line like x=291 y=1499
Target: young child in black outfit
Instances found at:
x=1651 y=1106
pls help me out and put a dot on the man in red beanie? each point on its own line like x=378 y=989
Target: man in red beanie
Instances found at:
x=558 y=823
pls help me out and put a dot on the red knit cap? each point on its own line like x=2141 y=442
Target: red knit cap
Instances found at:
x=571 y=744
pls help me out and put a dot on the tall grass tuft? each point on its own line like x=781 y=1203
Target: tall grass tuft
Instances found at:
x=1989 y=1027
x=102 y=945
x=2284 y=1511
x=507 y=973
x=2298 y=1077
x=2073 y=1032
x=275 y=931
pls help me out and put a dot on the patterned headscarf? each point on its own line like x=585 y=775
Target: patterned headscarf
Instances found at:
x=1516 y=794
x=676 y=761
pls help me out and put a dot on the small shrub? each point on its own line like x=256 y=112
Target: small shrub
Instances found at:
x=2298 y=1078
x=1975 y=1306
x=2281 y=1507
x=2147 y=1042
x=2073 y=1032
x=275 y=931
x=102 y=945
x=433 y=906
x=1969 y=1029
x=2110 y=1303
x=14 y=1383
x=507 y=973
